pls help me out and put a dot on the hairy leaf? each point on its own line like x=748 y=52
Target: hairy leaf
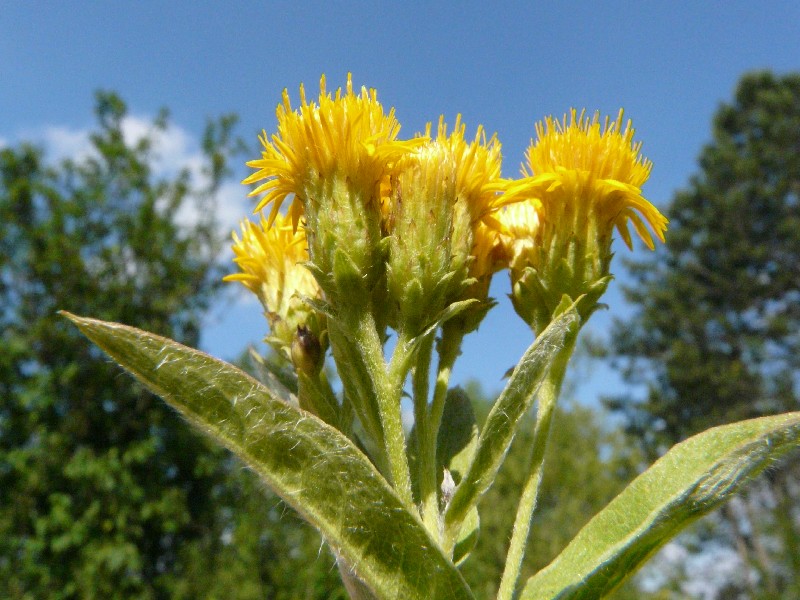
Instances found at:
x=312 y=466
x=690 y=480
x=501 y=424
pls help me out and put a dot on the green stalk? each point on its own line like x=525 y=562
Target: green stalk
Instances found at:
x=546 y=403
x=358 y=388
x=449 y=349
x=426 y=452
x=315 y=395
x=427 y=436
x=388 y=388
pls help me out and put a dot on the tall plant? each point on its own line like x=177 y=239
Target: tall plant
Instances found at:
x=382 y=234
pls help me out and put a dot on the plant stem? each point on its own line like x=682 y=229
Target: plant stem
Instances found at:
x=358 y=389
x=426 y=457
x=449 y=349
x=388 y=387
x=546 y=403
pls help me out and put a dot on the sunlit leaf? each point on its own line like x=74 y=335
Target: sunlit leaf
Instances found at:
x=312 y=466
x=692 y=479
x=500 y=425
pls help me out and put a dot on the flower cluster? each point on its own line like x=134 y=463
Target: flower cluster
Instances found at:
x=406 y=234
x=408 y=229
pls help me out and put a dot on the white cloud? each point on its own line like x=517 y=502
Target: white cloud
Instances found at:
x=173 y=149
x=3 y=143
x=64 y=142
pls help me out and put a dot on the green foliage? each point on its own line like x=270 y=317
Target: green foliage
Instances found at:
x=101 y=488
x=262 y=550
x=715 y=336
x=585 y=467
x=502 y=421
x=690 y=480
x=358 y=513
x=382 y=547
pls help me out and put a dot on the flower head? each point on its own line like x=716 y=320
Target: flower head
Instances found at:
x=346 y=134
x=271 y=262
x=440 y=194
x=579 y=167
x=582 y=180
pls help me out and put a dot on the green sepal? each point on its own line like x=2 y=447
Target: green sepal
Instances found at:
x=312 y=466
x=348 y=280
x=323 y=277
x=448 y=313
x=451 y=311
x=690 y=480
x=321 y=306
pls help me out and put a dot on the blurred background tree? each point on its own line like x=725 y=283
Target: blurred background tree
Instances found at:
x=715 y=336
x=101 y=487
x=104 y=492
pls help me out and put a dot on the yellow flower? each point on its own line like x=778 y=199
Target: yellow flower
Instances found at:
x=477 y=167
x=582 y=180
x=439 y=197
x=271 y=263
x=346 y=135
x=578 y=168
x=519 y=225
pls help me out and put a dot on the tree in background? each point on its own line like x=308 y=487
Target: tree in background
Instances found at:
x=715 y=335
x=101 y=490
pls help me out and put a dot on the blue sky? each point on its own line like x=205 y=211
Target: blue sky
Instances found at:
x=504 y=65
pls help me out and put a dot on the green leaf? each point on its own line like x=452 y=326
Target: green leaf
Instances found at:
x=501 y=424
x=467 y=536
x=458 y=435
x=690 y=480
x=312 y=466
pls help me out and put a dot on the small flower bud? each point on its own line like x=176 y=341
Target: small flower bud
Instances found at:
x=272 y=261
x=307 y=354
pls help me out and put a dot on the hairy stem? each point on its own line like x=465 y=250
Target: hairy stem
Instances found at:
x=449 y=349
x=426 y=452
x=388 y=388
x=546 y=403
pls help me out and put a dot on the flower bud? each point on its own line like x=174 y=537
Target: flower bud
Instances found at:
x=272 y=263
x=439 y=198
x=307 y=354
